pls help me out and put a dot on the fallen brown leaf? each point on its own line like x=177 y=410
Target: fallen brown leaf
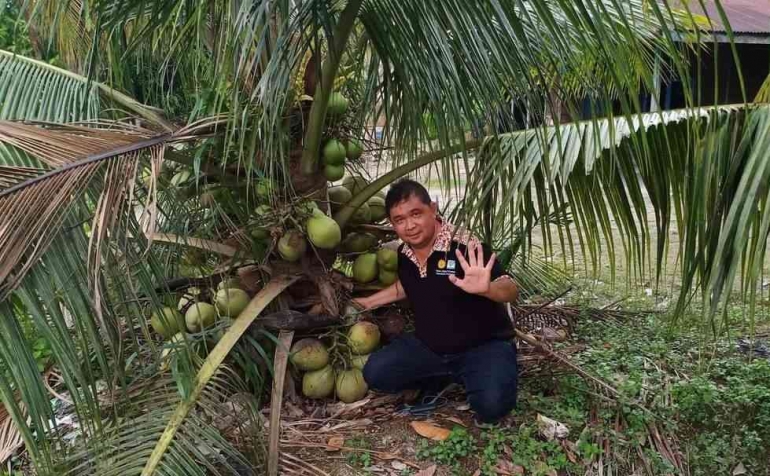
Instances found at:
x=507 y=468
x=335 y=443
x=477 y=472
x=430 y=431
x=429 y=471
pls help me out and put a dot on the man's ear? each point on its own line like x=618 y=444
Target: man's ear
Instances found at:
x=434 y=207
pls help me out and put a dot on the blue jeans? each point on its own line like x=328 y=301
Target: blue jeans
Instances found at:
x=488 y=372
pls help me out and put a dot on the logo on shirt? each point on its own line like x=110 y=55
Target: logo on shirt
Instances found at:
x=445 y=267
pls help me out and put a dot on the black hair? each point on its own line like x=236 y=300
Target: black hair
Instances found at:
x=402 y=190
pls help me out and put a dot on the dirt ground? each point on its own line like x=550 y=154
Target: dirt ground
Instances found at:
x=369 y=437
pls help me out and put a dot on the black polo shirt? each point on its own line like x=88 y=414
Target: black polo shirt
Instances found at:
x=447 y=319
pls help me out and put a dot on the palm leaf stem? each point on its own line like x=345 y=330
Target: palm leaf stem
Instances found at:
x=347 y=211
x=110 y=154
x=212 y=363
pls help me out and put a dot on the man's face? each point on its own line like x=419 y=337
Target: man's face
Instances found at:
x=414 y=221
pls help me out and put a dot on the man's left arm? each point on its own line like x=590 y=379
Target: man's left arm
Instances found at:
x=502 y=287
x=502 y=290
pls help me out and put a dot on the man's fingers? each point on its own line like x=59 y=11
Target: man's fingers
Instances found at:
x=480 y=255
x=472 y=257
x=491 y=262
x=461 y=259
x=456 y=281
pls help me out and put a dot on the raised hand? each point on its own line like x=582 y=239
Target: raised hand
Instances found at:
x=478 y=276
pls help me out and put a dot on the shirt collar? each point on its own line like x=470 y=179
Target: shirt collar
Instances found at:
x=444 y=238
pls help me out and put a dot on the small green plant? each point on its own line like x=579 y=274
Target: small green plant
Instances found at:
x=538 y=457
x=361 y=459
x=451 y=451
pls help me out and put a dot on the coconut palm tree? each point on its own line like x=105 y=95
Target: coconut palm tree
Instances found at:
x=238 y=94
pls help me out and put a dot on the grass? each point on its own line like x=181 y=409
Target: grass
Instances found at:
x=705 y=397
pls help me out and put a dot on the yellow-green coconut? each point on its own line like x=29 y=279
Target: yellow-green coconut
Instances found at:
x=354 y=183
x=309 y=354
x=351 y=386
x=292 y=246
x=332 y=173
x=323 y=232
x=387 y=259
x=167 y=322
x=231 y=302
x=318 y=383
x=199 y=316
x=333 y=153
x=363 y=337
x=387 y=277
x=377 y=208
x=358 y=242
x=365 y=268
x=354 y=149
x=338 y=104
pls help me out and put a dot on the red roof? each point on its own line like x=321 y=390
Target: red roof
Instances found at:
x=745 y=16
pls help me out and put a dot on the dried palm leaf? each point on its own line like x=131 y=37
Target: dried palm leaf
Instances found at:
x=32 y=210
x=10 y=437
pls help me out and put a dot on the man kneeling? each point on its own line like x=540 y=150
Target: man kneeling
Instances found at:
x=462 y=329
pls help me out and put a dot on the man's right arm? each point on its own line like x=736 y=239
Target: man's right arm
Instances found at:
x=394 y=292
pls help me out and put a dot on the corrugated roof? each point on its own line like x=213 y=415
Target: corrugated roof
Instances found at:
x=745 y=16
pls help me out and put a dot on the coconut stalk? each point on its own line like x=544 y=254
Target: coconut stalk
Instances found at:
x=240 y=325
x=342 y=31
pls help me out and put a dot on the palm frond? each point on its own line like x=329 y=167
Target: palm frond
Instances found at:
x=699 y=172
x=32 y=90
x=33 y=210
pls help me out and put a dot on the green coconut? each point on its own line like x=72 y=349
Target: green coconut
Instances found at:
x=181 y=177
x=339 y=196
x=359 y=361
x=231 y=302
x=323 y=232
x=387 y=259
x=363 y=214
x=167 y=322
x=334 y=153
x=365 y=268
x=387 y=277
x=363 y=337
x=377 y=208
x=358 y=242
x=351 y=386
x=309 y=354
x=292 y=246
x=318 y=383
x=354 y=183
x=200 y=316
x=338 y=104
x=354 y=149
x=332 y=173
